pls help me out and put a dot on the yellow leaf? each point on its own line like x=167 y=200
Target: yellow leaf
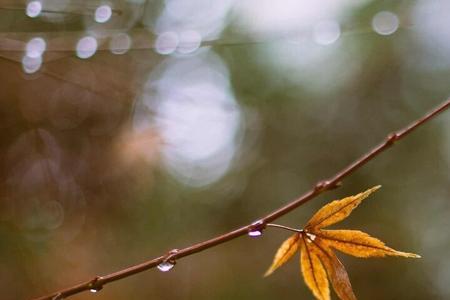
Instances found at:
x=335 y=270
x=337 y=210
x=318 y=261
x=313 y=271
x=359 y=244
x=284 y=253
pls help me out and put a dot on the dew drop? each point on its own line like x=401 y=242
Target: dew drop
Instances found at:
x=165 y=266
x=95 y=289
x=255 y=233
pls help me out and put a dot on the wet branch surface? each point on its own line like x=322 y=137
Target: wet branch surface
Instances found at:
x=98 y=282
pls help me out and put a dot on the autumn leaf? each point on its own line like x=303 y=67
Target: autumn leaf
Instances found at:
x=318 y=262
x=284 y=253
x=337 y=210
x=313 y=271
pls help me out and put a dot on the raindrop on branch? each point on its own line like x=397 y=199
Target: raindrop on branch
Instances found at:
x=165 y=266
x=95 y=289
x=255 y=233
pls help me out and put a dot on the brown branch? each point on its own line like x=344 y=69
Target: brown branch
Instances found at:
x=98 y=282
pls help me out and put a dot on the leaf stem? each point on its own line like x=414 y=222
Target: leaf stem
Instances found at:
x=285 y=227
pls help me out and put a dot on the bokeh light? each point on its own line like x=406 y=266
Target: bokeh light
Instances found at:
x=35 y=47
x=31 y=64
x=326 y=32
x=189 y=41
x=86 y=47
x=197 y=116
x=103 y=13
x=120 y=43
x=34 y=9
x=433 y=33
x=166 y=42
x=385 y=23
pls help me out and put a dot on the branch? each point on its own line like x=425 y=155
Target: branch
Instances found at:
x=255 y=228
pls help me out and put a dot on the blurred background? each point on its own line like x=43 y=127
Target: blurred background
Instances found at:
x=129 y=128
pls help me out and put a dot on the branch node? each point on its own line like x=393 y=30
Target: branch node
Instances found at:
x=325 y=185
x=170 y=256
x=392 y=138
x=94 y=286
x=256 y=228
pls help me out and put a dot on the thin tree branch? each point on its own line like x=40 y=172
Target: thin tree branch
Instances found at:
x=98 y=282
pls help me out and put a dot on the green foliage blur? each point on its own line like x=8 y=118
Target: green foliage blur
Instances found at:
x=101 y=168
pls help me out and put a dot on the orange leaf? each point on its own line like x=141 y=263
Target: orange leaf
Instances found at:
x=284 y=253
x=337 y=210
x=359 y=244
x=317 y=259
x=335 y=270
x=313 y=271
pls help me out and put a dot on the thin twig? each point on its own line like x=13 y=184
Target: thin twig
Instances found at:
x=98 y=282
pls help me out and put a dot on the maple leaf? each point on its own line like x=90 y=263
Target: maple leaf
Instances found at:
x=318 y=262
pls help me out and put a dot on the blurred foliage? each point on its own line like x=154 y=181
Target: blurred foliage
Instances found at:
x=93 y=173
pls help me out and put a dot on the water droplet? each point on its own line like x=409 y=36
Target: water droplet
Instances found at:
x=311 y=236
x=95 y=289
x=165 y=266
x=255 y=233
